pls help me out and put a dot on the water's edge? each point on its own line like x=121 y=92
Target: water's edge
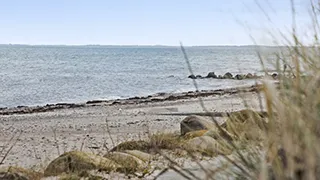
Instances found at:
x=158 y=97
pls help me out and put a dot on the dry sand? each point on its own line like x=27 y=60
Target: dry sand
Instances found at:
x=98 y=128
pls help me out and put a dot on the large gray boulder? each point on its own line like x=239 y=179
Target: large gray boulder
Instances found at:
x=195 y=123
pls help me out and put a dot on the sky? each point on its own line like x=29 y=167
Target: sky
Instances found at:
x=147 y=22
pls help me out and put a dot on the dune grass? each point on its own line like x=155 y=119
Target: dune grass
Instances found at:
x=288 y=142
x=291 y=145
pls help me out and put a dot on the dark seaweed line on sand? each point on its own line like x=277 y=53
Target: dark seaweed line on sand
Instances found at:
x=159 y=97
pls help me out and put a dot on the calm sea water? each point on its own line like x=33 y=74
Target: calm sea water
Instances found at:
x=37 y=75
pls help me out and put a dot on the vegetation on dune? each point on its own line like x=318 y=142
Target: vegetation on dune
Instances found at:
x=18 y=173
x=284 y=145
x=290 y=139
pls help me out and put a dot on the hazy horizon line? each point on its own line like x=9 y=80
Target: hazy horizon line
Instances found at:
x=144 y=45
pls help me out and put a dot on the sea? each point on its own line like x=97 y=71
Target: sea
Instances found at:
x=40 y=75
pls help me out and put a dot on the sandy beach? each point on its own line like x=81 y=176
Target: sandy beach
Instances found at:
x=101 y=126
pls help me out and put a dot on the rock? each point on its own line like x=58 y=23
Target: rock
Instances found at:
x=228 y=76
x=129 y=162
x=77 y=161
x=219 y=135
x=132 y=145
x=211 y=75
x=194 y=123
x=18 y=173
x=139 y=154
x=239 y=77
x=208 y=146
x=194 y=134
x=249 y=76
x=192 y=76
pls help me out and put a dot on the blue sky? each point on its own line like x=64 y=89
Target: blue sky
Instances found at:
x=144 y=22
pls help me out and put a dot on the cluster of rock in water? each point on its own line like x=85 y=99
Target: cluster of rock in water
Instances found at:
x=228 y=75
x=197 y=134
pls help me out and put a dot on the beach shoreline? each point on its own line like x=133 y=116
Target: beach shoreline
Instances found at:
x=158 y=97
x=99 y=126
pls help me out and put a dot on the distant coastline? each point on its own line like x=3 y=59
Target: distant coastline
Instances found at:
x=133 y=45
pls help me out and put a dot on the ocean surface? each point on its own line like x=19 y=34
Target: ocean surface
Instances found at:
x=39 y=75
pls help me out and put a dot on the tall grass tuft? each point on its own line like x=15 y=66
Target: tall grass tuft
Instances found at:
x=289 y=146
x=291 y=142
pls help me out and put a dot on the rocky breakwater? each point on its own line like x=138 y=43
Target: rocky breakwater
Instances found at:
x=228 y=75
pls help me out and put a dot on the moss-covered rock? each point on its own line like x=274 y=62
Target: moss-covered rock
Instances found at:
x=194 y=134
x=18 y=173
x=217 y=134
x=208 y=146
x=129 y=162
x=141 y=155
x=77 y=161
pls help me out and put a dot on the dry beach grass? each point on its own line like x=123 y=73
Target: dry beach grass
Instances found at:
x=136 y=141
